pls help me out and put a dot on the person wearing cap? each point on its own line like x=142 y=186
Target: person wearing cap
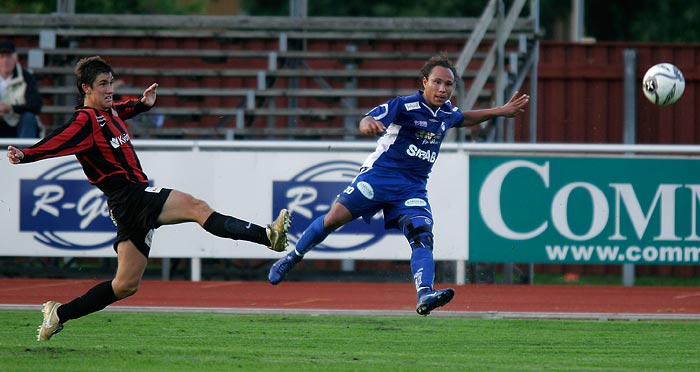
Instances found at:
x=20 y=101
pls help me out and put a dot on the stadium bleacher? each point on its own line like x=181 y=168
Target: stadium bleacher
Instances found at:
x=257 y=77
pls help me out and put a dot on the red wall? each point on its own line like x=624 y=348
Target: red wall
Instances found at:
x=580 y=100
x=580 y=94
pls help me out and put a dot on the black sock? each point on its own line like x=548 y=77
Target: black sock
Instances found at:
x=233 y=228
x=96 y=299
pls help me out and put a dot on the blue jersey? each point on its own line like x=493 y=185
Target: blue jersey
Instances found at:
x=414 y=133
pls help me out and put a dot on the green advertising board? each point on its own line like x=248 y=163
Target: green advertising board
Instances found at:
x=584 y=210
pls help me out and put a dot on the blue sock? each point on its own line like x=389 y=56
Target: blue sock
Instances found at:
x=423 y=268
x=313 y=235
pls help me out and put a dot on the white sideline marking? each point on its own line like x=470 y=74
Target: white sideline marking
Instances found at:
x=395 y=313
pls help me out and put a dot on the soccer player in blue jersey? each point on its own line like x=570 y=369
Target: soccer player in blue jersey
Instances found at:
x=394 y=177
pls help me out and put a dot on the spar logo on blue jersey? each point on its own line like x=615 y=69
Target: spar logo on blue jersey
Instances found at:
x=311 y=193
x=429 y=138
x=60 y=207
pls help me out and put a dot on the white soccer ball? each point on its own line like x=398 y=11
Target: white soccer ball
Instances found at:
x=663 y=84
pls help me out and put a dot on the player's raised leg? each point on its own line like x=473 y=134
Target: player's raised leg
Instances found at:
x=182 y=207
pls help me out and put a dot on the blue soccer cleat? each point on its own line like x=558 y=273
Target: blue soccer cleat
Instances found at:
x=280 y=268
x=432 y=299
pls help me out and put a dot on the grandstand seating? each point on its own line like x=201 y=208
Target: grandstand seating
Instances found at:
x=256 y=77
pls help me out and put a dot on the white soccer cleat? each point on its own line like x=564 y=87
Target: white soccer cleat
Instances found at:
x=277 y=231
x=51 y=325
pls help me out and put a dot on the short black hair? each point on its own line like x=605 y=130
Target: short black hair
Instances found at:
x=438 y=60
x=87 y=70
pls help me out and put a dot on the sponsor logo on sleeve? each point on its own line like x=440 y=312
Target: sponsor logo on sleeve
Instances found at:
x=412 y=106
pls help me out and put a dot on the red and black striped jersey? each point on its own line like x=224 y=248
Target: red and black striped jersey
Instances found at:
x=101 y=142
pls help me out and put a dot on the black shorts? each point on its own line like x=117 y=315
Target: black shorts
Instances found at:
x=134 y=210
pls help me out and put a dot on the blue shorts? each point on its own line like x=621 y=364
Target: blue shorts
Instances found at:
x=390 y=191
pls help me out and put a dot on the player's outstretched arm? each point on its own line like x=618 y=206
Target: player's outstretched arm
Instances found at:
x=14 y=155
x=149 y=95
x=516 y=105
x=370 y=126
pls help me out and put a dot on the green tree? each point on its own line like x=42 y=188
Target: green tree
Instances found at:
x=110 y=7
x=31 y=7
x=621 y=20
x=643 y=20
x=369 y=8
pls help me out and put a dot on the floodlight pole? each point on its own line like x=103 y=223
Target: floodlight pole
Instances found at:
x=298 y=8
x=630 y=128
x=65 y=6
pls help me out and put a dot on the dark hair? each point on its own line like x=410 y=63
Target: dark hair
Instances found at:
x=437 y=60
x=87 y=70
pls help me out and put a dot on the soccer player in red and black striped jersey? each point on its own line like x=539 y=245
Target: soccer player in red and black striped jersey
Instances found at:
x=98 y=137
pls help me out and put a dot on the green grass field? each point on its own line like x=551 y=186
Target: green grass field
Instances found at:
x=116 y=341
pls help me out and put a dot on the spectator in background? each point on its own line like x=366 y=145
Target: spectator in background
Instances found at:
x=20 y=101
